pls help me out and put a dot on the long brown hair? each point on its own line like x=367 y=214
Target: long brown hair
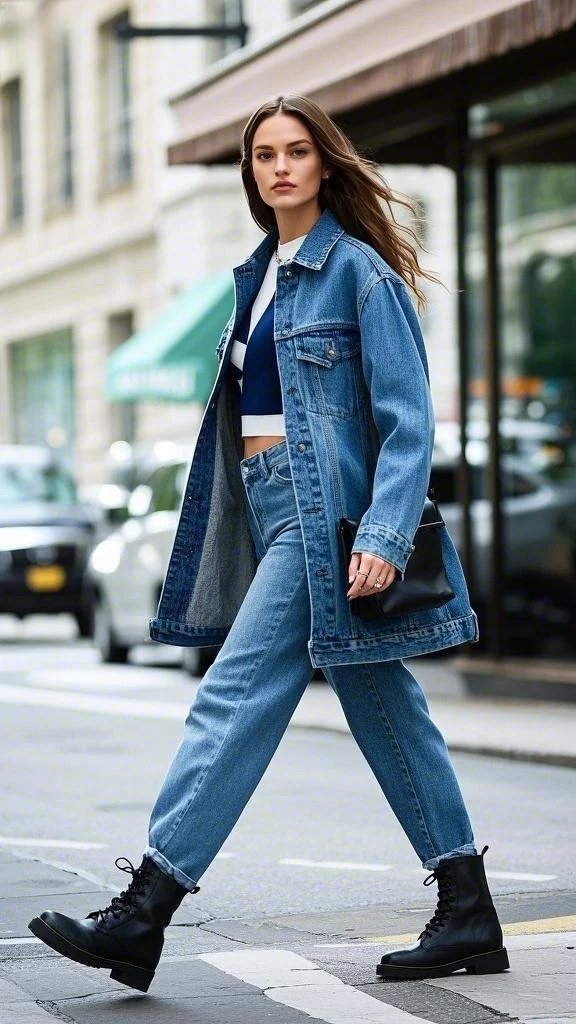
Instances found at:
x=353 y=192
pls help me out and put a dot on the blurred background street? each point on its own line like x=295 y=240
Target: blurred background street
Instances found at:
x=121 y=216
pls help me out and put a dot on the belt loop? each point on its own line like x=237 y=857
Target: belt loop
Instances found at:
x=264 y=467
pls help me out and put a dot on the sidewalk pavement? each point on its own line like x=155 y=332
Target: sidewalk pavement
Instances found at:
x=526 y=730
x=39 y=987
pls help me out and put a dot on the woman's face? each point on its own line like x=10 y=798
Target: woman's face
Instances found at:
x=286 y=163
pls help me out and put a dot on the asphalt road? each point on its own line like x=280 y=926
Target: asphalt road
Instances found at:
x=317 y=867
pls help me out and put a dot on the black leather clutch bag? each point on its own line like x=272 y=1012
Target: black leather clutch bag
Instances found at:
x=425 y=584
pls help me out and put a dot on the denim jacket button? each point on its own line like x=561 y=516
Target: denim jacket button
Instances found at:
x=301 y=447
x=289 y=273
x=331 y=352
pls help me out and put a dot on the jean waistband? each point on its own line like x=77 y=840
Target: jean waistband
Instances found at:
x=262 y=463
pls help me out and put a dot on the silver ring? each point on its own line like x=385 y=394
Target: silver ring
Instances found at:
x=364 y=574
x=378 y=584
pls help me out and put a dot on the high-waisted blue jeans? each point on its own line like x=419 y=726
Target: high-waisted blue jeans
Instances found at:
x=249 y=694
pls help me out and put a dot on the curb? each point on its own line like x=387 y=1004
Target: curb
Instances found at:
x=556 y=760
x=530 y=756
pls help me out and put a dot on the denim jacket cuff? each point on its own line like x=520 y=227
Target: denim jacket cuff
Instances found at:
x=385 y=543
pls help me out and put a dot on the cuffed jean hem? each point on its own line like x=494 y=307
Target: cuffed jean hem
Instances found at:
x=169 y=869
x=469 y=850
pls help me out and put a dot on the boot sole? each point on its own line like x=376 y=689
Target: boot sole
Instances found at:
x=482 y=963
x=127 y=974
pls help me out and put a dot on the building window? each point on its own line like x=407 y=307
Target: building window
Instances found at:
x=13 y=168
x=116 y=105
x=60 y=137
x=122 y=418
x=41 y=388
x=222 y=12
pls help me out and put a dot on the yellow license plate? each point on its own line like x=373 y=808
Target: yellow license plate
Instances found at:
x=45 y=577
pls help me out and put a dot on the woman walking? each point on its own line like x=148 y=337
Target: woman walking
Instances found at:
x=321 y=410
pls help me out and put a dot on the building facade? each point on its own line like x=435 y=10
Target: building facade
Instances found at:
x=83 y=179
x=77 y=231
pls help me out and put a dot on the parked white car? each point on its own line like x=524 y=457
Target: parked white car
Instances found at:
x=126 y=570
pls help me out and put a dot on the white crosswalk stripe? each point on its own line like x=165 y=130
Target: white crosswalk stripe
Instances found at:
x=336 y=865
x=99 y=678
x=55 y=844
x=292 y=980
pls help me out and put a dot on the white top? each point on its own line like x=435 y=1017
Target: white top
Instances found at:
x=271 y=423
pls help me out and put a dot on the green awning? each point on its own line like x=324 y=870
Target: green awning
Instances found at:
x=173 y=359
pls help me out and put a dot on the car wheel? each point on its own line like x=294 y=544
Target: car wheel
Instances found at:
x=111 y=651
x=85 y=622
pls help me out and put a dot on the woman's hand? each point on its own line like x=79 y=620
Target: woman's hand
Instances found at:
x=369 y=575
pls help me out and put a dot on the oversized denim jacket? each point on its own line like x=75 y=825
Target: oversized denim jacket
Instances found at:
x=359 y=431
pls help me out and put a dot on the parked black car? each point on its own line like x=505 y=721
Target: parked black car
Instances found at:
x=45 y=536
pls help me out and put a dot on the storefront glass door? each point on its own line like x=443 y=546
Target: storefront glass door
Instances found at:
x=518 y=398
x=535 y=221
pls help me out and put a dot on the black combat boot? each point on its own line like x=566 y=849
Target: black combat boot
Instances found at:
x=127 y=936
x=464 y=933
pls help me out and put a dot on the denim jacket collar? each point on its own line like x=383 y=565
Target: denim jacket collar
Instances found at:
x=313 y=251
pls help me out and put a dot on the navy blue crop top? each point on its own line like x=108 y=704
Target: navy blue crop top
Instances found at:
x=255 y=368
x=253 y=358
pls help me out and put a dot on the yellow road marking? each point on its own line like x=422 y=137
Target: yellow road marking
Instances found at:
x=538 y=927
x=545 y=924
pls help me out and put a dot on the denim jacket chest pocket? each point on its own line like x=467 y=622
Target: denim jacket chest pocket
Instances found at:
x=330 y=371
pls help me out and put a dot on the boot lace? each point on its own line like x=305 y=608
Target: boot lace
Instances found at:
x=126 y=901
x=446 y=900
